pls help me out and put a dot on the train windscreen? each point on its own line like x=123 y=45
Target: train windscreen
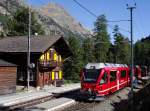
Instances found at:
x=91 y=75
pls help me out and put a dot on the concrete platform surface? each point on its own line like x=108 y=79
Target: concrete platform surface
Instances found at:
x=51 y=105
x=12 y=99
x=23 y=97
x=64 y=88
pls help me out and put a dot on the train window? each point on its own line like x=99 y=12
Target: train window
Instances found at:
x=104 y=79
x=91 y=75
x=123 y=73
x=113 y=75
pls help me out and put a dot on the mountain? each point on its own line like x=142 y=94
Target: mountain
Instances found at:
x=7 y=7
x=63 y=18
x=53 y=18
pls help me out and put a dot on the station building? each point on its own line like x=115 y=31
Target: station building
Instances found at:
x=47 y=53
x=8 y=72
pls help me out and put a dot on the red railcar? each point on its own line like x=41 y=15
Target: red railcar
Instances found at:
x=137 y=72
x=140 y=71
x=144 y=71
x=100 y=79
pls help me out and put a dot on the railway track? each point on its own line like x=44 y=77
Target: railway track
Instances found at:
x=27 y=104
x=90 y=106
x=80 y=106
x=83 y=105
x=77 y=106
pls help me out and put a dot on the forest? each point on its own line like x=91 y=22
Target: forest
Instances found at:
x=94 y=48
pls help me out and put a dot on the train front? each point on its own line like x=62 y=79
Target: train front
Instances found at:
x=89 y=79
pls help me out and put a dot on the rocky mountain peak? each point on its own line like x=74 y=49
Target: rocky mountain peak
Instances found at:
x=10 y=6
x=63 y=18
x=53 y=17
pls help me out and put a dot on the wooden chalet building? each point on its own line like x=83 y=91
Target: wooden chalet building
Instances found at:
x=47 y=53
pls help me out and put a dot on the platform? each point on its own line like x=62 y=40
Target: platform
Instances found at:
x=63 y=89
x=62 y=103
x=12 y=99
x=51 y=105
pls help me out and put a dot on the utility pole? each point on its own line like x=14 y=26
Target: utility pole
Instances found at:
x=28 y=53
x=6 y=7
x=132 y=56
x=131 y=34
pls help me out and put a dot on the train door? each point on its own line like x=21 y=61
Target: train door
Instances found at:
x=113 y=80
x=118 y=79
x=103 y=83
x=123 y=78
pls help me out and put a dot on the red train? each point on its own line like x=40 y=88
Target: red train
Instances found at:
x=140 y=71
x=144 y=71
x=100 y=79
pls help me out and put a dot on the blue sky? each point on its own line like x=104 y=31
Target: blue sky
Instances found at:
x=113 y=9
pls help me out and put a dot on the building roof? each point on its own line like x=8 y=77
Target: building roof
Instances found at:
x=38 y=44
x=5 y=63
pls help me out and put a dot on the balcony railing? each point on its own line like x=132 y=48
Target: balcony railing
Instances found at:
x=48 y=64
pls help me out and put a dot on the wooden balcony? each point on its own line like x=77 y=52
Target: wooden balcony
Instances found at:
x=49 y=64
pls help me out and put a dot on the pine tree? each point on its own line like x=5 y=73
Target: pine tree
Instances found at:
x=18 y=24
x=88 y=47
x=111 y=54
x=73 y=66
x=102 y=42
x=121 y=47
x=137 y=53
x=142 y=51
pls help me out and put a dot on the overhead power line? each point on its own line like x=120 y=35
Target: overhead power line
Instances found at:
x=119 y=21
x=94 y=15
x=140 y=18
x=112 y=27
x=90 y=12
